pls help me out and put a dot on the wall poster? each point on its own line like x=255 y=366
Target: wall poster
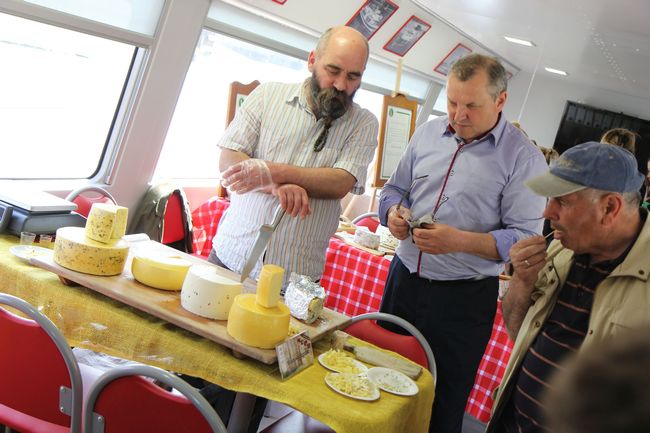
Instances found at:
x=372 y=15
x=407 y=36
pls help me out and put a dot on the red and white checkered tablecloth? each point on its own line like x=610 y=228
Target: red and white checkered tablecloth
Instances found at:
x=354 y=280
x=205 y=219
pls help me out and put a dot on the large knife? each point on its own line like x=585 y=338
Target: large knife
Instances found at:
x=260 y=243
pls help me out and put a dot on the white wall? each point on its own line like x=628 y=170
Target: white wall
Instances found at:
x=544 y=106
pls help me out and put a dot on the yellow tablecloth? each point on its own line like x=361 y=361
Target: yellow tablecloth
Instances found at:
x=93 y=321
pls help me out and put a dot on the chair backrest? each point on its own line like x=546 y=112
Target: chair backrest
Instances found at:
x=85 y=201
x=40 y=383
x=368 y=219
x=173 y=228
x=164 y=215
x=123 y=401
x=414 y=346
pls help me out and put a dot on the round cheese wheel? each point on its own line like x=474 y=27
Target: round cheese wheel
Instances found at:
x=207 y=293
x=73 y=250
x=255 y=325
x=160 y=272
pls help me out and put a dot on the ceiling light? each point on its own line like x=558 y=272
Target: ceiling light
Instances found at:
x=556 y=71
x=519 y=41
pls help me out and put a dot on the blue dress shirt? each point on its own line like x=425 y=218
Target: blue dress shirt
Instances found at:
x=484 y=193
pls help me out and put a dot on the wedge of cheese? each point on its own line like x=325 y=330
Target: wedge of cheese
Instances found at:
x=255 y=325
x=73 y=250
x=159 y=271
x=208 y=294
x=269 y=285
x=106 y=222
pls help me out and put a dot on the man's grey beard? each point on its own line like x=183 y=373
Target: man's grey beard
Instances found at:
x=329 y=103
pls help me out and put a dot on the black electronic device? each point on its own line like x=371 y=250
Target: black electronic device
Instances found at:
x=20 y=220
x=24 y=210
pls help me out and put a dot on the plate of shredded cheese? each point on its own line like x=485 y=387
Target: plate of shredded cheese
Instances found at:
x=356 y=386
x=340 y=362
x=392 y=381
x=26 y=252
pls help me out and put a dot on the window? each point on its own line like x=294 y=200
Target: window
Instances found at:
x=60 y=90
x=190 y=150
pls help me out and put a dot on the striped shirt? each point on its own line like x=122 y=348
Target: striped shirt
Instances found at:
x=560 y=337
x=276 y=124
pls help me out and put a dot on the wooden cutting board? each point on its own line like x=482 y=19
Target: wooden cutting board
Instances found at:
x=166 y=304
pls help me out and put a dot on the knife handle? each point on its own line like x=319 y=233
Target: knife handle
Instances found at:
x=277 y=217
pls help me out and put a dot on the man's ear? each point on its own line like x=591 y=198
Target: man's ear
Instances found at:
x=501 y=100
x=311 y=61
x=612 y=205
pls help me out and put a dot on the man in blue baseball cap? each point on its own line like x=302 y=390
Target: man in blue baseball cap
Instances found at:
x=590 y=284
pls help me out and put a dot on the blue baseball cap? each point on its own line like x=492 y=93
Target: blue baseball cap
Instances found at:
x=589 y=165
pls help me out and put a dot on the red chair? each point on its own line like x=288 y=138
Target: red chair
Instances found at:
x=123 y=401
x=173 y=228
x=414 y=346
x=368 y=219
x=85 y=201
x=40 y=384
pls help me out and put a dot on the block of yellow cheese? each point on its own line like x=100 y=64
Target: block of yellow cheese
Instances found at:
x=73 y=250
x=106 y=222
x=166 y=272
x=269 y=285
x=255 y=325
x=207 y=293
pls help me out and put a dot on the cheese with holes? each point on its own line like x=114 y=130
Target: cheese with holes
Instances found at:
x=255 y=325
x=106 y=222
x=208 y=294
x=160 y=271
x=269 y=285
x=73 y=250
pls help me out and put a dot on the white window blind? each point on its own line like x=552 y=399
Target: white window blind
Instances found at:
x=140 y=16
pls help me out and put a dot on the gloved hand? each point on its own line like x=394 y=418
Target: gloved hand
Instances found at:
x=248 y=175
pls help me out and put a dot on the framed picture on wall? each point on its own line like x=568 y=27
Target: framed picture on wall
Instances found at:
x=404 y=39
x=459 y=51
x=372 y=15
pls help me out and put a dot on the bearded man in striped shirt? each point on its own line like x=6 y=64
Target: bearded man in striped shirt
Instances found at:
x=302 y=146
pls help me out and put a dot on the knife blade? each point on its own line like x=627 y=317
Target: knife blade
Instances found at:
x=263 y=238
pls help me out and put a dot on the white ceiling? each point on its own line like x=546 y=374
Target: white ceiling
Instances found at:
x=600 y=43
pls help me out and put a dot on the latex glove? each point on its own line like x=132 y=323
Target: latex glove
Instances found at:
x=398 y=218
x=246 y=176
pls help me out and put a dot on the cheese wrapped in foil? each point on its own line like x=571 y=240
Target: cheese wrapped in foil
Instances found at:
x=304 y=298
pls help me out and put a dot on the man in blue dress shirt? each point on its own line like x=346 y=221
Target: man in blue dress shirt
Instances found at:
x=461 y=180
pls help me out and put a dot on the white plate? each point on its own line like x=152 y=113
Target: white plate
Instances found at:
x=361 y=368
x=337 y=381
x=26 y=252
x=392 y=381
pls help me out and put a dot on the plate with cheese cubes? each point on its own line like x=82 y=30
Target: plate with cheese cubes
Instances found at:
x=356 y=386
x=392 y=381
x=340 y=362
x=26 y=252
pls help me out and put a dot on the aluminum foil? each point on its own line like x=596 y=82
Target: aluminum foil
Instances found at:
x=304 y=298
